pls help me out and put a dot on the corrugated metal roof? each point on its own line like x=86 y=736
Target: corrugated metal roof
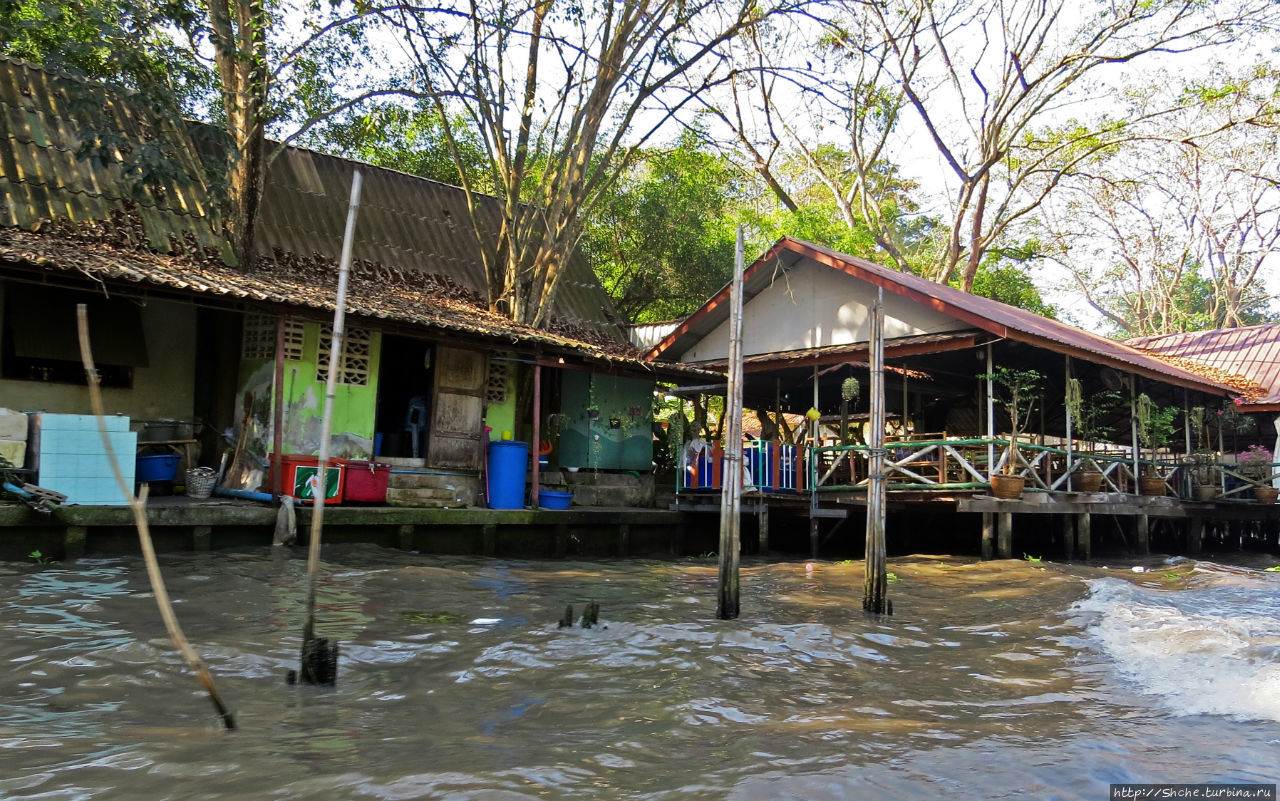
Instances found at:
x=416 y=298
x=406 y=222
x=988 y=315
x=1253 y=352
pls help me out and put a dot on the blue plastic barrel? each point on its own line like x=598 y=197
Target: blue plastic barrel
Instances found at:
x=508 y=463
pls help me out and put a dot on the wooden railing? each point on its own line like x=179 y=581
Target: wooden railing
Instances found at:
x=949 y=464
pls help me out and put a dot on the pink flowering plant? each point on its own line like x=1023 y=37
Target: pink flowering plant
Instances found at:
x=1255 y=460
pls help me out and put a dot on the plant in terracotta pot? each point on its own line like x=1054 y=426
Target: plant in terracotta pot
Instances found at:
x=1155 y=427
x=1205 y=477
x=1017 y=391
x=1256 y=462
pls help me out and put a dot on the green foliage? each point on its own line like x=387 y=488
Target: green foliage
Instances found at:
x=1003 y=276
x=40 y=559
x=1155 y=422
x=406 y=138
x=662 y=241
x=1018 y=391
x=1096 y=414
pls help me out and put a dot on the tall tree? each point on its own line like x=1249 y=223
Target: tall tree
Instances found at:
x=561 y=95
x=1176 y=232
x=228 y=62
x=983 y=87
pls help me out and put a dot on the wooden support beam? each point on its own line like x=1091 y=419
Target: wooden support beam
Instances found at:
x=762 y=519
x=624 y=539
x=988 y=535
x=404 y=535
x=1069 y=537
x=489 y=535
x=1195 y=533
x=1142 y=534
x=202 y=538
x=1004 y=535
x=1084 y=535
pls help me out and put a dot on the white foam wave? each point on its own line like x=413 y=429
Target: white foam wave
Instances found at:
x=1202 y=651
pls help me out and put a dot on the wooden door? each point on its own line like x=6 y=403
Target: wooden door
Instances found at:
x=457 y=409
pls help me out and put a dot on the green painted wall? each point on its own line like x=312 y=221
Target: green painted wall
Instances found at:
x=502 y=416
x=618 y=436
x=352 y=429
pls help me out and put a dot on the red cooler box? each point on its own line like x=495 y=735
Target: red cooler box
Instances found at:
x=300 y=474
x=366 y=482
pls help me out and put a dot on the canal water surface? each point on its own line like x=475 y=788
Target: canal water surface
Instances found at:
x=1004 y=679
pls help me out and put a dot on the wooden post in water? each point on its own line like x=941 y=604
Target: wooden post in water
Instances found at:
x=731 y=479
x=1084 y=535
x=1004 y=535
x=875 y=583
x=319 y=658
x=1142 y=534
x=988 y=535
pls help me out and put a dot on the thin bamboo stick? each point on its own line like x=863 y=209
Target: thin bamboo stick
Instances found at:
x=139 y=509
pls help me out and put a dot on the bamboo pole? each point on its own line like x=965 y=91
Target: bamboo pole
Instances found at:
x=1070 y=424
x=139 y=508
x=313 y=649
x=991 y=413
x=727 y=607
x=535 y=468
x=875 y=585
x=277 y=421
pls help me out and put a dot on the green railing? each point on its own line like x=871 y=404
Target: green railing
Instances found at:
x=950 y=464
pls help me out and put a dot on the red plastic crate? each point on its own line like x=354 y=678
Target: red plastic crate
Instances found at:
x=366 y=482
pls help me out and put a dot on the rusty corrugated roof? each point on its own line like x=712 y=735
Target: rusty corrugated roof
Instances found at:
x=406 y=223
x=418 y=298
x=985 y=314
x=1252 y=352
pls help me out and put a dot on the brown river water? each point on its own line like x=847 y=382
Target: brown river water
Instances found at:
x=1005 y=679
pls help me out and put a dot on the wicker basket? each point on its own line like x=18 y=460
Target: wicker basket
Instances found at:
x=200 y=482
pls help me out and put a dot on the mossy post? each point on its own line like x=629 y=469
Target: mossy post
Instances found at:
x=875 y=585
x=731 y=481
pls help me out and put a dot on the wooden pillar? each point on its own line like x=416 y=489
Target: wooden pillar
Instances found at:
x=991 y=413
x=762 y=519
x=677 y=538
x=1004 y=534
x=875 y=585
x=624 y=539
x=1195 y=533
x=405 y=536
x=1084 y=544
x=813 y=525
x=201 y=538
x=73 y=542
x=988 y=535
x=561 y=547
x=489 y=537
x=1069 y=537
x=1142 y=532
x=727 y=603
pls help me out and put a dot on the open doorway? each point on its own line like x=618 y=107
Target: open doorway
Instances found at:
x=404 y=397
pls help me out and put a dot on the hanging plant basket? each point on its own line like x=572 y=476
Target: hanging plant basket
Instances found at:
x=1006 y=487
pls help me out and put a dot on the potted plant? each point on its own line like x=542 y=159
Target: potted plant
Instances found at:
x=1093 y=418
x=1205 y=477
x=1018 y=392
x=1155 y=427
x=1255 y=462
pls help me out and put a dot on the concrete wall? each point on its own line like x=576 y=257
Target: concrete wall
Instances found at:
x=812 y=306
x=165 y=390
